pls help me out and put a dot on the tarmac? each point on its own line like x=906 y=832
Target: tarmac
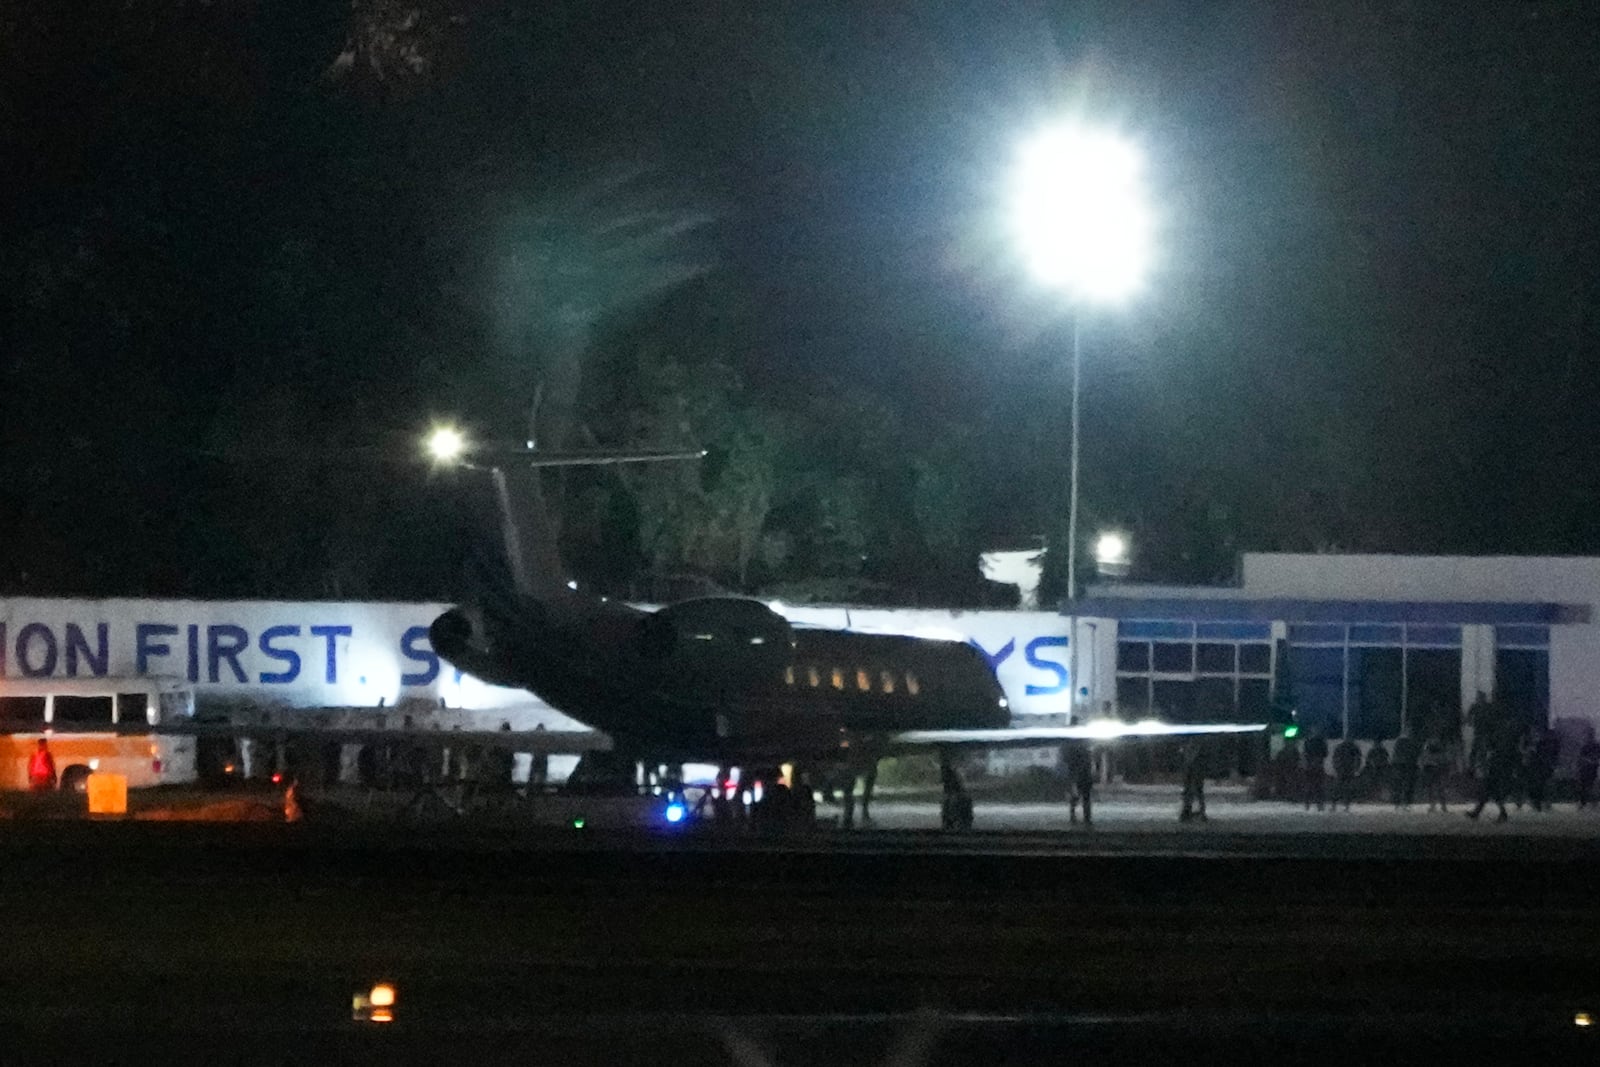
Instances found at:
x=1155 y=811
x=1251 y=937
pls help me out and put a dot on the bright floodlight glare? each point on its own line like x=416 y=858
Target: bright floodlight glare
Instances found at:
x=445 y=444
x=1111 y=547
x=1080 y=212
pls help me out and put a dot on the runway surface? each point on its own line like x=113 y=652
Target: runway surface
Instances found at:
x=244 y=942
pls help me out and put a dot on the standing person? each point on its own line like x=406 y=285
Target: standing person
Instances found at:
x=1346 y=765
x=1403 y=769
x=869 y=782
x=538 y=766
x=1519 y=781
x=501 y=767
x=1435 y=761
x=1080 y=780
x=1588 y=764
x=1542 y=767
x=1482 y=716
x=1316 y=753
x=1286 y=770
x=1196 y=764
x=470 y=772
x=41 y=768
x=1376 y=771
x=1494 y=760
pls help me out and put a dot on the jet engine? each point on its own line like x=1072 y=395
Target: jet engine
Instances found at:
x=460 y=636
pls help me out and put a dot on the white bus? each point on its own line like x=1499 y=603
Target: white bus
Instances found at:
x=76 y=716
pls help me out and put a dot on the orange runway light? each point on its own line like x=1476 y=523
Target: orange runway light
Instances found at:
x=374 y=1006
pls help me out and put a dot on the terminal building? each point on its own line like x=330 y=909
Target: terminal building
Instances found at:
x=1360 y=646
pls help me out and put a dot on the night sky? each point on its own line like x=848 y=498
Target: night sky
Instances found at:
x=1372 y=325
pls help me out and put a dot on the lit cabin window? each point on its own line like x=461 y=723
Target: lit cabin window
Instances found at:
x=886 y=681
x=788 y=676
x=838 y=678
x=863 y=680
x=912 y=685
x=813 y=676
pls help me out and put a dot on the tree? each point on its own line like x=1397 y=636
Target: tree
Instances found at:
x=709 y=517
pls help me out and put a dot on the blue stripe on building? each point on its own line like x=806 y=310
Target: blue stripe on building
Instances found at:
x=1239 y=610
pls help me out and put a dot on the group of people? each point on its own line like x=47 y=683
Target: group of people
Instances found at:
x=1513 y=760
x=1078 y=759
x=1510 y=760
x=1413 y=763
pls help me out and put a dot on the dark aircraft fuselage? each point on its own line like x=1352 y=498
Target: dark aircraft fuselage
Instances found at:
x=722 y=679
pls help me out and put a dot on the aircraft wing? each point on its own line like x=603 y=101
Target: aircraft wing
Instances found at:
x=578 y=742
x=1101 y=730
x=555 y=742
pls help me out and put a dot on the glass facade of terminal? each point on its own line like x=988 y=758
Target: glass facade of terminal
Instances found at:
x=1194 y=671
x=1364 y=680
x=1371 y=681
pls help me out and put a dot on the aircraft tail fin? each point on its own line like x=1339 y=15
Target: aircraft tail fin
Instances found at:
x=528 y=539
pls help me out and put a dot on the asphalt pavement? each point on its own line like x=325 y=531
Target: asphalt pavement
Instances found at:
x=1138 y=938
x=1155 y=811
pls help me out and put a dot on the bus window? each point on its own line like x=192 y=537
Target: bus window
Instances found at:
x=838 y=678
x=886 y=681
x=813 y=676
x=863 y=680
x=788 y=676
x=21 y=713
x=912 y=686
x=82 y=711
x=175 y=706
x=133 y=707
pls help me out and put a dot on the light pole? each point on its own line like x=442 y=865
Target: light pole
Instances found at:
x=1072 y=486
x=1083 y=223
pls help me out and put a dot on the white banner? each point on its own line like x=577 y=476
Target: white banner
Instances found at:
x=352 y=654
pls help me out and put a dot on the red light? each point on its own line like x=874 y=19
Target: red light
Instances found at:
x=728 y=786
x=155 y=766
x=277 y=776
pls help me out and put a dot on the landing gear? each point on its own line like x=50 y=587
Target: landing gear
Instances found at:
x=955 y=812
x=782 y=810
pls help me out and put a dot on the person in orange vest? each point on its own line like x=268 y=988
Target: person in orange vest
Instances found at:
x=41 y=768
